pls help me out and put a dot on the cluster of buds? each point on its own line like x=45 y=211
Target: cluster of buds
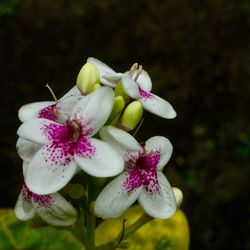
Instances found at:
x=89 y=133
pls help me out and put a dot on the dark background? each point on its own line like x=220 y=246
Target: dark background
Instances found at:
x=198 y=56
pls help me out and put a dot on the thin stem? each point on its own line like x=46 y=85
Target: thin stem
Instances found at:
x=112 y=245
x=51 y=91
x=91 y=220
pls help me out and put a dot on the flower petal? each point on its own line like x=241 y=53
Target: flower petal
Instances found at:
x=30 y=111
x=55 y=210
x=24 y=209
x=40 y=131
x=120 y=140
x=144 y=80
x=114 y=199
x=103 y=70
x=159 y=205
x=93 y=110
x=65 y=106
x=72 y=92
x=163 y=145
x=98 y=158
x=130 y=87
x=51 y=169
x=157 y=105
x=27 y=149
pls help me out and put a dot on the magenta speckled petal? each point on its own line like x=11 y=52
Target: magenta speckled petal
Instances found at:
x=51 y=168
x=156 y=105
x=97 y=158
x=54 y=209
x=114 y=199
x=161 y=144
x=161 y=204
x=39 y=130
x=32 y=110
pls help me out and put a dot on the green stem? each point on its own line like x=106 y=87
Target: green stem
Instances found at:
x=130 y=230
x=91 y=220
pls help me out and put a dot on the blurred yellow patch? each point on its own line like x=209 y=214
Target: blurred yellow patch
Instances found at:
x=169 y=234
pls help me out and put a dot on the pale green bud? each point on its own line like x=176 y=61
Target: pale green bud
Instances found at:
x=118 y=106
x=95 y=87
x=178 y=196
x=131 y=116
x=119 y=90
x=87 y=78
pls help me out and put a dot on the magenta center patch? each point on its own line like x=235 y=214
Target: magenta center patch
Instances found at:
x=141 y=170
x=66 y=140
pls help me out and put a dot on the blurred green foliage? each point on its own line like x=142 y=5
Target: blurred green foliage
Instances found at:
x=8 y=7
x=15 y=234
x=198 y=56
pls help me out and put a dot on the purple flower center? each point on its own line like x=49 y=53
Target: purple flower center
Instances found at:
x=66 y=140
x=49 y=113
x=141 y=170
x=41 y=200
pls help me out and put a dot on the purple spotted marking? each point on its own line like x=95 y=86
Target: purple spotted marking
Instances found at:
x=66 y=141
x=141 y=170
x=145 y=95
x=42 y=200
x=49 y=113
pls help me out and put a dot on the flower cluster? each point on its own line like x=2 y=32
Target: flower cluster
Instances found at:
x=87 y=133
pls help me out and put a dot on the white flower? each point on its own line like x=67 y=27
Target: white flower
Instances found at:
x=142 y=180
x=137 y=84
x=69 y=145
x=52 y=208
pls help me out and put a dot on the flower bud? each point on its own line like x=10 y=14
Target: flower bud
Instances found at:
x=119 y=90
x=178 y=196
x=118 y=106
x=87 y=78
x=131 y=116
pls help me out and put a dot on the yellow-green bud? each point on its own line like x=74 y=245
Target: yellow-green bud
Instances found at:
x=178 y=196
x=118 y=106
x=95 y=87
x=119 y=90
x=131 y=116
x=87 y=78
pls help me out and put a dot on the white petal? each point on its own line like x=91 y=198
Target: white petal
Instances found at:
x=103 y=70
x=65 y=106
x=55 y=210
x=72 y=92
x=27 y=149
x=144 y=80
x=163 y=145
x=122 y=141
x=157 y=105
x=114 y=199
x=130 y=87
x=49 y=170
x=162 y=205
x=30 y=111
x=25 y=167
x=39 y=130
x=98 y=158
x=24 y=209
x=93 y=110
